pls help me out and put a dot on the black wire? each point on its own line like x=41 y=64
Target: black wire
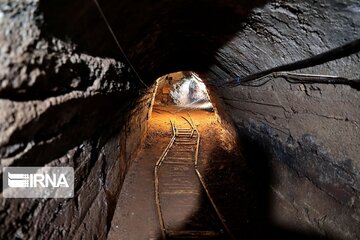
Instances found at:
x=296 y=79
x=102 y=14
x=337 y=53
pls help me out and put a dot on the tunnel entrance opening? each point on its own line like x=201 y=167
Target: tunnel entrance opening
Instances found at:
x=184 y=90
x=182 y=94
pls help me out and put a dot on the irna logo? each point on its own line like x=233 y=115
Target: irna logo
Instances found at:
x=16 y=180
x=38 y=182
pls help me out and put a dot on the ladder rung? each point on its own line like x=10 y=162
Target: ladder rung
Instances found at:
x=178 y=157
x=186 y=234
x=179 y=163
x=180 y=192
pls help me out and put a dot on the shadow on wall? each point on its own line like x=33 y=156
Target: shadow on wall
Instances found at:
x=158 y=37
x=240 y=187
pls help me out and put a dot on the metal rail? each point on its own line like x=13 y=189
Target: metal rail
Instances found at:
x=223 y=221
x=178 y=132
x=156 y=173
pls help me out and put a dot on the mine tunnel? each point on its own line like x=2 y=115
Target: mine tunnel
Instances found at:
x=220 y=119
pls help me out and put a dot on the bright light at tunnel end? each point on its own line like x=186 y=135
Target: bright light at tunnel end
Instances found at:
x=191 y=92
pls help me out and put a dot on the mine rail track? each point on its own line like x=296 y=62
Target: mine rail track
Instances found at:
x=179 y=162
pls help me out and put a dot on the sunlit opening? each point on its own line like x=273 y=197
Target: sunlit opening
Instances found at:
x=183 y=89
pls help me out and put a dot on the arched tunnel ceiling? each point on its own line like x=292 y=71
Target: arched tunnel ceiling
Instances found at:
x=230 y=38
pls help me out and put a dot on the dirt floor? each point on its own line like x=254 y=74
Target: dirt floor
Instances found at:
x=220 y=163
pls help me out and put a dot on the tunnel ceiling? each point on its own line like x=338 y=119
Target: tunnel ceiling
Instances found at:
x=229 y=38
x=221 y=38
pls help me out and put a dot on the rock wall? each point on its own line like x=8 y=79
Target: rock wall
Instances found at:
x=60 y=106
x=309 y=151
x=100 y=161
x=302 y=139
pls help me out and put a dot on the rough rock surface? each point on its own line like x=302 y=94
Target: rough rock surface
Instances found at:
x=62 y=107
x=309 y=132
x=66 y=96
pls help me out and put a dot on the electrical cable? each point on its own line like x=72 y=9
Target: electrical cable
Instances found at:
x=305 y=79
x=117 y=42
x=336 y=53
